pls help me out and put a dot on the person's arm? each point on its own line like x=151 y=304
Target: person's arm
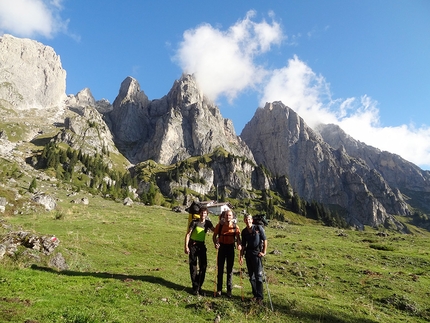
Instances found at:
x=190 y=218
x=211 y=226
x=187 y=239
x=215 y=236
x=263 y=237
x=238 y=240
x=242 y=249
x=263 y=252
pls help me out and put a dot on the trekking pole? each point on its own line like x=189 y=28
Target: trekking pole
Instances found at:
x=241 y=280
x=216 y=272
x=267 y=285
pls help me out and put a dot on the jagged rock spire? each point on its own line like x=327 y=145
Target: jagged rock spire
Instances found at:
x=181 y=124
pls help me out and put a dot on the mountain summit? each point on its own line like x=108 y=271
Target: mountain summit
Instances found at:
x=280 y=139
x=183 y=123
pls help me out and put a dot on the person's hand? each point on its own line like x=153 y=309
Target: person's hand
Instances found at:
x=239 y=247
x=187 y=250
x=216 y=245
x=240 y=261
x=261 y=254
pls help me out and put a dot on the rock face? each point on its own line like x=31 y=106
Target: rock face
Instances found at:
x=234 y=176
x=128 y=118
x=280 y=140
x=398 y=172
x=83 y=99
x=182 y=124
x=31 y=76
x=46 y=200
x=87 y=131
x=44 y=244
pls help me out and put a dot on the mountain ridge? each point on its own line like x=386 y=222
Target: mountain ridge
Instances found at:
x=320 y=165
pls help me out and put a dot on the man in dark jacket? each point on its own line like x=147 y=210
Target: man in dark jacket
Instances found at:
x=254 y=246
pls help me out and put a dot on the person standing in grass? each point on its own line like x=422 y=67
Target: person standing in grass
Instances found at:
x=254 y=246
x=196 y=250
x=226 y=234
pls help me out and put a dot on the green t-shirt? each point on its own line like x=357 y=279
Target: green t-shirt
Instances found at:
x=200 y=229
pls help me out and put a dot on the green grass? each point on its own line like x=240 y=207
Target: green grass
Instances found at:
x=126 y=264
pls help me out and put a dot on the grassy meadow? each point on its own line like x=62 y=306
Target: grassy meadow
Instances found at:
x=127 y=264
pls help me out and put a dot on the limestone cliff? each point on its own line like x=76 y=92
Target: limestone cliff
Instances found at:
x=181 y=124
x=281 y=140
x=399 y=173
x=31 y=75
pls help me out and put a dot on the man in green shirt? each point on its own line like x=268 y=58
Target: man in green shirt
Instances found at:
x=196 y=250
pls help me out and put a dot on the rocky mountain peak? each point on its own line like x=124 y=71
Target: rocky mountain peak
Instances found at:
x=185 y=92
x=398 y=172
x=281 y=140
x=31 y=75
x=181 y=124
x=130 y=93
x=82 y=99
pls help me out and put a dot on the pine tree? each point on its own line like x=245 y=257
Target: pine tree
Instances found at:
x=297 y=203
x=33 y=186
x=151 y=194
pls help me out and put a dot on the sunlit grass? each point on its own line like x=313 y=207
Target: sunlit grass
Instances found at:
x=126 y=264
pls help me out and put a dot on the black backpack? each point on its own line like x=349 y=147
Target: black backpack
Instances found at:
x=260 y=219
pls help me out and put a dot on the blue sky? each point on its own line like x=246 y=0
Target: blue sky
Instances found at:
x=364 y=65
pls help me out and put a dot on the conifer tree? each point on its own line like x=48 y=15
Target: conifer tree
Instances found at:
x=33 y=186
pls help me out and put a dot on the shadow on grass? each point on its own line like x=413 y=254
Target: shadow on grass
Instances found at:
x=323 y=317
x=144 y=278
x=246 y=305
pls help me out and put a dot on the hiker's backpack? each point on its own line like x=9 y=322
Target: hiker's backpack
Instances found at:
x=260 y=219
x=259 y=228
x=193 y=213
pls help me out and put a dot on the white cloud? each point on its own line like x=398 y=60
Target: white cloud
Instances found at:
x=29 y=18
x=298 y=87
x=410 y=142
x=223 y=61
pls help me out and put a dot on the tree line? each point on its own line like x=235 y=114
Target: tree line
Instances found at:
x=82 y=169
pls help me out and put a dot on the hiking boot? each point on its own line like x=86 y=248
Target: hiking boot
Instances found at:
x=229 y=293
x=195 y=292
x=202 y=293
x=218 y=294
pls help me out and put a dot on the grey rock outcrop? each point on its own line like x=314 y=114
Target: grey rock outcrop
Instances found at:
x=45 y=244
x=181 y=124
x=46 y=200
x=82 y=99
x=31 y=75
x=281 y=140
x=231 y=174
x=58 y=262
x=397 y=171
x=88 y=132
x=85 y=98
